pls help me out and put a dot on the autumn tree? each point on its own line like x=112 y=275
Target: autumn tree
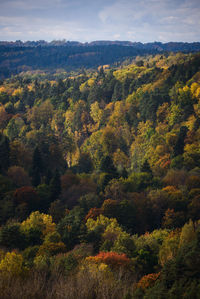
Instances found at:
x=19 y=176
x=26 y=199
x=41 y=115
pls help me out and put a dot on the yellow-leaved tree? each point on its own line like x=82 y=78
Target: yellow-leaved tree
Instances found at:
x=11 y=264
x=40 y=221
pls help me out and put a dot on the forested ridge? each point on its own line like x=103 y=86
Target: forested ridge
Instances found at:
x=100 y=181
x=16 y=57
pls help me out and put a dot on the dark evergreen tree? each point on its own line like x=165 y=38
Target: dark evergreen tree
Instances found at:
x=12 y=237
x=37 y=159
x=125 y=88
x=117 y=93
x=55 y=186
x=21 y=107
x=146 y=167
x=4 y=153
x=36 y=178
x=48 y=177
x=149 y=103
x=37 y=167
x=85 y=163
x=179 y=146
x=95 y=94
x=106 y=165
x=101 y=73
x=75 y=220
x=75 y=91
x=60 y=87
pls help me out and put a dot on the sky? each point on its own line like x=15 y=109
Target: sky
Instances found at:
x=90 y=20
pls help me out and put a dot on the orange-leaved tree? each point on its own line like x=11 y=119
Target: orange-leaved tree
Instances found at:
x=148 y=280
x=112 y=259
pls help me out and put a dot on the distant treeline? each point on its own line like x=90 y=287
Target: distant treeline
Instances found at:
x=16 y=57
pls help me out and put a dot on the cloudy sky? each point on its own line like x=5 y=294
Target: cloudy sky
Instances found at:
x=88 y=20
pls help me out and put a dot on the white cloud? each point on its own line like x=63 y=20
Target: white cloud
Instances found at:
x=116 y=36
x=137 y=20
x=32 y=5
x=152 y=19
x=26 y=28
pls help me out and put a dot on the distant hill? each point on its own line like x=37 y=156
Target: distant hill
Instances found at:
x=19 y=56
x=170 y=46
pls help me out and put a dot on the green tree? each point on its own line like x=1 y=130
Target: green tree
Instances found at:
x=179 y=146
x=117 y=93
x=146 y=167
x=84 y=163
x=71 y=227
x=12 y=237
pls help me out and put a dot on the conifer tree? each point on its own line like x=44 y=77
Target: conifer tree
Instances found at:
x=146 y=167
x=179 y=146
x=37 y=167
x=4 y=153
x=55 y=185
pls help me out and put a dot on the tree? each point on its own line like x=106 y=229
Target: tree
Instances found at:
x=124 y=244
x=12 y=265
x=4 y=153
x=84 y=163
x=146 y=167
x=93 y=213
x=71 y=227
x=69 y=179
x=109 y=141
x=172 y=219
x=51 y=248
x=3 y=118
x=106 y=165
x=113 y=259
x=12 y=237
x=14 y=127
x=179 y=146
x=44 y=194
x=110 y=208
x=37 y=167
x=194 y=208
x=175 y=177
x=125 y=87
x=39 y=221
x=169 y=247
x=188 y=234
x=101 y=221
x=72 y=195
x=18 y=176
x=148 y=281
x=117 y=93
x=96 y=113
x=149 y=102
x=41 y=115
x=65 y=263
x=20 y=155
x=57 y=210
x=55 y=186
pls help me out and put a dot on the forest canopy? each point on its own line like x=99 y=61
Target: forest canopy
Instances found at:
x=100 y=179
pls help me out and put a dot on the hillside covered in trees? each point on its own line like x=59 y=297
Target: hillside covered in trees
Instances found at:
x=100 y=181
x=17 y=57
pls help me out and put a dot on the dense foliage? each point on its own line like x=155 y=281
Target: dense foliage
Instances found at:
x=100 y=181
